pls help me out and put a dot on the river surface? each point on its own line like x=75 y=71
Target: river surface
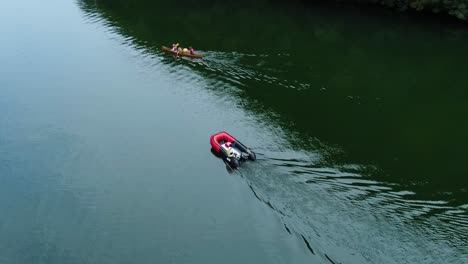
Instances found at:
x=358 y=118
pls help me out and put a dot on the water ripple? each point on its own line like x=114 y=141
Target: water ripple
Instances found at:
x=313 y=196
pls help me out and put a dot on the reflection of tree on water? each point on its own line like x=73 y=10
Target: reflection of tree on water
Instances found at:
x=359 y=95
x=395 y=124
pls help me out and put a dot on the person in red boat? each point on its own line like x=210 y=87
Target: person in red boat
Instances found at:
x=191 y=51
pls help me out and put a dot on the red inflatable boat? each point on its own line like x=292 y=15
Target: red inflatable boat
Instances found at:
x=231 y=150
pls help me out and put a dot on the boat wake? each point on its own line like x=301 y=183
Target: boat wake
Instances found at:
x=340 y=212
x=343 y=217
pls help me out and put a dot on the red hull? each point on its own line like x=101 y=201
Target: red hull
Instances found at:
x=221 y=136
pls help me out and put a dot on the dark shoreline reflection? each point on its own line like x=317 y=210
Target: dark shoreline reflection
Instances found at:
x=372 y=96
x=377 y=108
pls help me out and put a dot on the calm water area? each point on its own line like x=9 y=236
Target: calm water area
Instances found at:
x=358 y=116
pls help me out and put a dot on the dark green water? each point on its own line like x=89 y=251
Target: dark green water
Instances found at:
x=358 y=119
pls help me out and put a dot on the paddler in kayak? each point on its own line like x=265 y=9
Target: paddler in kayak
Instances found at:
x=176 y=48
